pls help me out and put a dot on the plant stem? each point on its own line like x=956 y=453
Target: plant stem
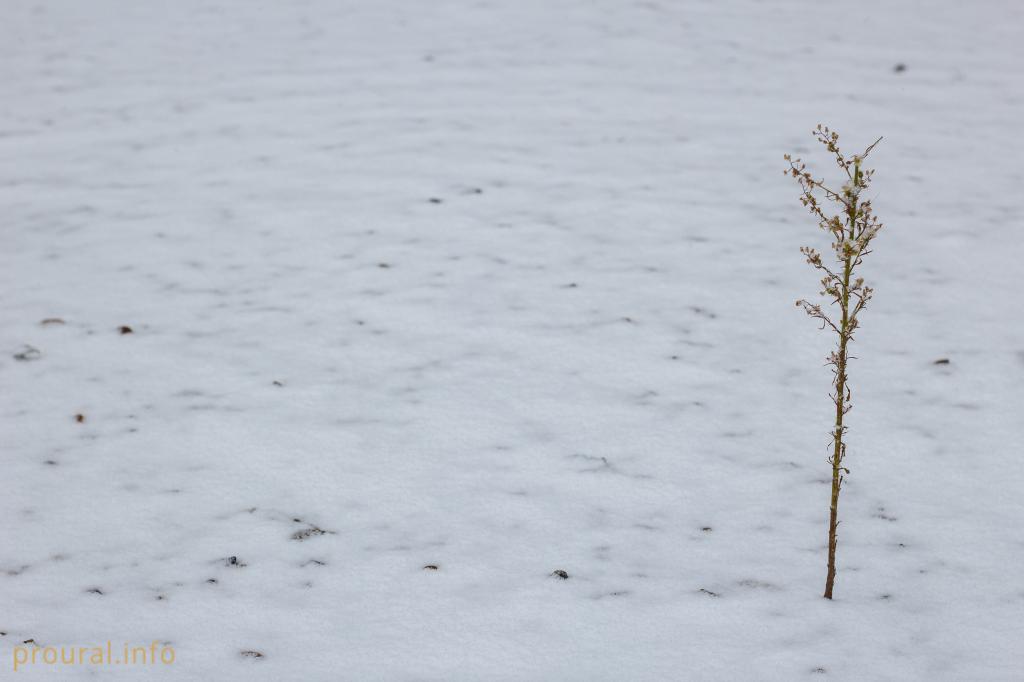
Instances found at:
x=838 y=449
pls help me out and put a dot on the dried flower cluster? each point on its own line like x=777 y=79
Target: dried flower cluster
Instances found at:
x=852 y=229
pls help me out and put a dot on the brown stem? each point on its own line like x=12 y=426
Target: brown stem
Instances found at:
x=838 y=450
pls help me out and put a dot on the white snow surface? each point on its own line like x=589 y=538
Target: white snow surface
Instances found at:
x=524 y=274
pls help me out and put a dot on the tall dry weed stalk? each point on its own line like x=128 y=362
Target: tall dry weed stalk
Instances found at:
x=852 y=227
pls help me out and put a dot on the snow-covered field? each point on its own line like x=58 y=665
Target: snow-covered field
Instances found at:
x=504 y=288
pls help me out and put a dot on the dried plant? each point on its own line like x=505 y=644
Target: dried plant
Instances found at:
x=852 y=229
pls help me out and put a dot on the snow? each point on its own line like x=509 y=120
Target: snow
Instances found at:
x=523 y=274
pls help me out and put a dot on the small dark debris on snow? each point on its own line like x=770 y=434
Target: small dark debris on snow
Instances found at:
x=50 y=462
x=307 y=533
x=430 y=567
x=235 y=561
x=79 y=417
x=94 y=590
x=706 y=529
x=560 y=574
x=435 y=200
x=28 y=353
x=899 y=68
x=125 y=329
x=249 y=653
x=315 y=562
x=941 y=361
x=703 y=312
x=212 y=581
x=383 y=266
x=277 y=383
x=709 y=592
x=51 y=320
x=30 y=641
x=819 y=671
